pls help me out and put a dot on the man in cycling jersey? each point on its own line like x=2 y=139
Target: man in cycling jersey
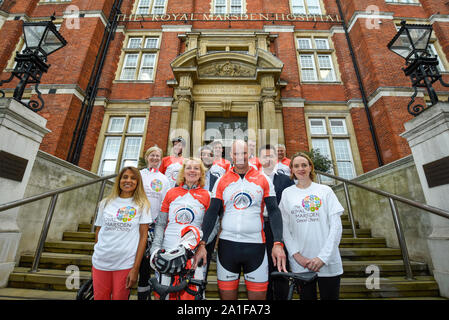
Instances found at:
x=241 y=194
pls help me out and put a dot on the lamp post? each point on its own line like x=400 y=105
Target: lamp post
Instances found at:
x=411 y=43
x=41 y=40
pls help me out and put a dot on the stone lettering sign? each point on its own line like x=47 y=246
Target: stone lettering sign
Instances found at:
x=228 y=17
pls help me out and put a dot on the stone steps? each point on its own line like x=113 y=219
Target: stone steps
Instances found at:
x=396 y=286
x=61 y=261
x=87 y=247
x=355 y=288
x=76 y=249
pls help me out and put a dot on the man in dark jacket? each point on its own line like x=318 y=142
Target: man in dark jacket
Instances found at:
x=277 y=289
x=207 y=156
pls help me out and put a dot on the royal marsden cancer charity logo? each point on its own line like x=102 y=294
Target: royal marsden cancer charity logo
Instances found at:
x=184 y=215
x=242 y=201
x=156 y=185
x=311 y=203
x=126 y=214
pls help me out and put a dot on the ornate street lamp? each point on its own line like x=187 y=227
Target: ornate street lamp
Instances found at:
x=41 y=40
x=411 y=43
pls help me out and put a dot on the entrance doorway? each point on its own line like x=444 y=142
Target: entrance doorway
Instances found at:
x=225 y=130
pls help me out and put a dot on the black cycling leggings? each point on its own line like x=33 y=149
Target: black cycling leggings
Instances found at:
x=329 y=289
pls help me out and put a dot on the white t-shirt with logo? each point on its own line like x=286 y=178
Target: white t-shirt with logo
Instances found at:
x=312 y=226
x=156 y=186
x=119 y=235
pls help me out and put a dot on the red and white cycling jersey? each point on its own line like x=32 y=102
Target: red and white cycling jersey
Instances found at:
x=184 y=208
x=283 y=166
x=220 y=167
x=255 y=162
x=243 y=203
x=170 y=166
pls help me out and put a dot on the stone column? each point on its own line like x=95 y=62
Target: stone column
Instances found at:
x=428 y=137
x=184 y=113
x=21 y=133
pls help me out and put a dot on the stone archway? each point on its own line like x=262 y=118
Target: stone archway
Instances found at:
x=226 y=83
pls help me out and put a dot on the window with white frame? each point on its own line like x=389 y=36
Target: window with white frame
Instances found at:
x=151 y=7
x=315 y=59
x=122 y=143
x=306 y=7
x=140 y=58
x=228 y=6
x=330 y=136
x=434 y=53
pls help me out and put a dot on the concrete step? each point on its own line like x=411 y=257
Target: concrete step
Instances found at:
x=363 y=243
x=355 y=288
x=362 y=233
x=78 y=236
x=86 y=227
x=90 y=236
x=45 y=279
x=422 y=286
x=366 y=254
x=79 y=247
x=52 y=260
x=352 y=268
x=395 y=286
x=358 y=268
x=35 y=294
x=82 y=247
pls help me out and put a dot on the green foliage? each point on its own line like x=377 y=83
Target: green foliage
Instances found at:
x=321 y=162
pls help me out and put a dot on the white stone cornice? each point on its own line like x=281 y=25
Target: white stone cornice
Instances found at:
x=176 y=28
x=367 y=15
x=293 y=102
x=391 y=92
x=275 y=28
x=438 y=18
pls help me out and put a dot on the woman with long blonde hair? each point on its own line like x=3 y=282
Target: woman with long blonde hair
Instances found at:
x=183 y=209
x=120 y=237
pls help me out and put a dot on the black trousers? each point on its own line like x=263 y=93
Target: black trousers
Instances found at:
x=210 y=249
x=144 y=277
x=329 y=289
x=278 y=287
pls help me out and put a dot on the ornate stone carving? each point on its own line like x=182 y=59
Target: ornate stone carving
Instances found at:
x=227 y=69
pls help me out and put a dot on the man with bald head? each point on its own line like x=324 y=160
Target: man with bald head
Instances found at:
x=239 y=195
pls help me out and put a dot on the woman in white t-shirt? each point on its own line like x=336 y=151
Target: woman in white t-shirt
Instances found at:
x=120 y=237
x=312 y=230
x=156 y=186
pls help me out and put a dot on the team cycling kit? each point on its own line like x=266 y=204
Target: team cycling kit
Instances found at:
x=242 y=199
x=182 y=207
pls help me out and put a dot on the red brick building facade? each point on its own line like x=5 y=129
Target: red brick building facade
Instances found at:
x=188 y=66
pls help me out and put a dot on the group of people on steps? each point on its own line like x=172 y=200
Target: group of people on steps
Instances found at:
x=260 y=212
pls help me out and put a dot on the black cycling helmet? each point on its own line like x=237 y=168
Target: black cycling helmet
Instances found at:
x=179 y=139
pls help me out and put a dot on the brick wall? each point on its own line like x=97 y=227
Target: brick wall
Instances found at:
x=295 y=134
x=379 y=68
x=158 y=127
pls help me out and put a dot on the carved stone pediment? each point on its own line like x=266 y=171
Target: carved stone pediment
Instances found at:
x=227 y=69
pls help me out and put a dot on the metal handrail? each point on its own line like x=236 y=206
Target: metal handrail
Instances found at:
x=51 y=208
x=397 y=223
